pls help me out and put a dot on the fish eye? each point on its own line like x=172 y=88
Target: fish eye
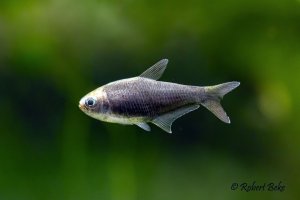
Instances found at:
x=90 y=102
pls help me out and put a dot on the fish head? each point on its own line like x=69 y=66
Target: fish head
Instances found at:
x=95 y=103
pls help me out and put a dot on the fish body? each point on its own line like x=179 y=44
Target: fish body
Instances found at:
x=144 y=99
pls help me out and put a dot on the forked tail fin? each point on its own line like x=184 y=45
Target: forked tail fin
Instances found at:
x=214 y=95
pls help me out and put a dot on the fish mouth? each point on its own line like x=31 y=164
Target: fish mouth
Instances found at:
x=81 y=104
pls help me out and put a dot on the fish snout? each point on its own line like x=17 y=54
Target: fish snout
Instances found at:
x=82 y=104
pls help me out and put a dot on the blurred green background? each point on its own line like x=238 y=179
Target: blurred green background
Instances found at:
x=53 y=52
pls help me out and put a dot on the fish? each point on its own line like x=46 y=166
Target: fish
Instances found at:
x=144 y=99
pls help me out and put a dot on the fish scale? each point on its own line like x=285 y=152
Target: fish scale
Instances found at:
x=143 y=97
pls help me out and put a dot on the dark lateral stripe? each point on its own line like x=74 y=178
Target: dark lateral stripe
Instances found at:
x=144 y=109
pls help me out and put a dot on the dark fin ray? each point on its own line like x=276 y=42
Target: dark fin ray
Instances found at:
x=165 y=121
x=144 y=126
x=215 y=94
x=156 y=71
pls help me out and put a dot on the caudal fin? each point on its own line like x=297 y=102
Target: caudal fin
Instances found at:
x=214 y=95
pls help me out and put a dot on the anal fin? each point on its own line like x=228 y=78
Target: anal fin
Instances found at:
x=165 y=121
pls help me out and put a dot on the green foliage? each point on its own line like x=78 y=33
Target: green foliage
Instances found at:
x=53 y=52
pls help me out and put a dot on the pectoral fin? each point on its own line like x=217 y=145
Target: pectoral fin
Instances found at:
x=165 y=121
x=144 y=126
x=156 y=71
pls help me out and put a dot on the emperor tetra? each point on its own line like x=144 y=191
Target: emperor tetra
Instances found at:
x=144 y=99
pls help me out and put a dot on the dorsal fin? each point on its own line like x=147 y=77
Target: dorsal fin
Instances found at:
x=156 y=71
x=165 y=121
